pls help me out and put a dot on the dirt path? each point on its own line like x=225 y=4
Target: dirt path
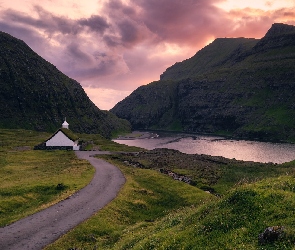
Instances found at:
x=40 y=229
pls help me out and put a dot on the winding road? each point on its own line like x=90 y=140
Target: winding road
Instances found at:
x=38 y=230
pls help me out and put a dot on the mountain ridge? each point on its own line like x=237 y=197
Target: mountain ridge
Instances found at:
x=234 y=86
x=36 y=95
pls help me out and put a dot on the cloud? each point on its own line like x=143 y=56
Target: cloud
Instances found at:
x=187 y=22
x=94 y=23
x=75 y=52
x=285 y=15
x=94 y=73
x=251 y=22
x=105 y=97
x=45 y=21
x=50 y=23
x=124 y=44
x=30 y=36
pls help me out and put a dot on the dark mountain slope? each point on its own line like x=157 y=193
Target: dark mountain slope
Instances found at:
x=35 y=95
x=155 y=103
x=247 y=92
x=220 y=53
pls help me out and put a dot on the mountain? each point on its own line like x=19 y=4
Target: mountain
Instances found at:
x=223 y=52
x=234 y=86
x=36 y=95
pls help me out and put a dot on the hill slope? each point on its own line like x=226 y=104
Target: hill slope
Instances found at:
x=35 y=95
x=241 y=87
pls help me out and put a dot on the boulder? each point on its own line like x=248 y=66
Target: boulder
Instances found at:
x=270 y=234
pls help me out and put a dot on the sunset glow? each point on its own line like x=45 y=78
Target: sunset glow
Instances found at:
x=113 y=46
x=254 y=4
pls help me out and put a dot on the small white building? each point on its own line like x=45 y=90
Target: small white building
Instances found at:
x=63 y=138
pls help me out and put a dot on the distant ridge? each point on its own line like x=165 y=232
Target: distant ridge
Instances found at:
x=278 y=29
x=221 y=52
x=36 y=95
x=234 y=86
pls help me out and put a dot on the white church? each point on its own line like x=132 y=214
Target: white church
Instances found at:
x=63 y=138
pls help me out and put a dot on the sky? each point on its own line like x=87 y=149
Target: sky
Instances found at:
x=111 y=47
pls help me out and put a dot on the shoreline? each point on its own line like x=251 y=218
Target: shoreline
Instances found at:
x=137 y=135
x=147 y=134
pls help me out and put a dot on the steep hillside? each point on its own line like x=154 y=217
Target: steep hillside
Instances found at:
x=240 y=87
x=35 y=95
x=151 y=104
x=222 y=52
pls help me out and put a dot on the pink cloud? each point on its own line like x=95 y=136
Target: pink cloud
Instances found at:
x=126 y=45
x=185 y=22
x=251 y=22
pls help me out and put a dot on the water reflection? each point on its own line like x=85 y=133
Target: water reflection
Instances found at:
x=219 y=146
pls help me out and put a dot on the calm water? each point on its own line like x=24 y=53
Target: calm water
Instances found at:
x=219 y=146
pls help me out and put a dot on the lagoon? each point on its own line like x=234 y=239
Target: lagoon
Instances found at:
x=217 y=146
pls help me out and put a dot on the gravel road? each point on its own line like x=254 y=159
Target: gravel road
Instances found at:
x=38 y=230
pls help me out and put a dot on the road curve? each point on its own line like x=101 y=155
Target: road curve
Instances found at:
x=38 y=230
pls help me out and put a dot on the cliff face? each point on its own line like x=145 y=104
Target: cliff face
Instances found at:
x=241 y=87
x=35 y=95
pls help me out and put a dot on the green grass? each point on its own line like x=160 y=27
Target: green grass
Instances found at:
x=208 y=172
x=29 y=179
x=236 y=174
x=281 y=115
x=98 y=142
x=146 y=197
x=152 y=211
x=234 y=221
x=175 y=126
x=32 y=180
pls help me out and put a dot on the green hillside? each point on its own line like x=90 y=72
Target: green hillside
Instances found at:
x=36 y=95
x=229 y=204
x=222 y=52
x=234 y=86
x=154 y=211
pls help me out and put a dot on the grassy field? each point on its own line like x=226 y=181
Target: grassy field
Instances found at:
x=232 y=222
x=155 y=212
x=31 y=180
x=98 y=142
x=152 y=211
x=145 y=199
x=212 y=173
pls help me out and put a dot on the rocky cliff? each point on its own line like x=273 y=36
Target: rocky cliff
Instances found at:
x=234 y=86
x=36 y=95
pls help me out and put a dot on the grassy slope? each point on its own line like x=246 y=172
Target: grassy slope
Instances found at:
x=24 y=76
x=29 y=179
x=152 y=211
x=156 y=212
x=233 y=222
x=214 y=173
x=216 y=54
x=146 y=197
x=98 y=142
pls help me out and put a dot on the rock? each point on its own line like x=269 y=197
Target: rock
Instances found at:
x=271 y=234
x=60 y=186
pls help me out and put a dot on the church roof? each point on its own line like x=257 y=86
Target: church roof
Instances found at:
x=68 y=133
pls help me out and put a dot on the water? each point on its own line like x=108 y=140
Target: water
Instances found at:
x=219 y=146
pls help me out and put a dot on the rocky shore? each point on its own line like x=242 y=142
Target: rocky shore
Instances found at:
x=137 y=135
